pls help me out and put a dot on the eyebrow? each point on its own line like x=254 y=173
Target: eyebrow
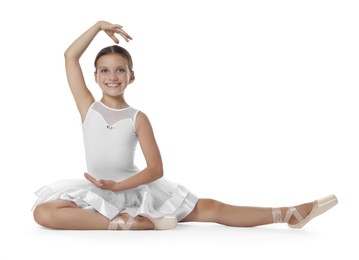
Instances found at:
x=108 y=68
x=122 y=66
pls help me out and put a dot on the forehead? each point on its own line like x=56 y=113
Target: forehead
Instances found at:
x=112 y=60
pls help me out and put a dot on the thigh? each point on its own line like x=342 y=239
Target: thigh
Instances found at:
x=206 y=210
x=55 y=204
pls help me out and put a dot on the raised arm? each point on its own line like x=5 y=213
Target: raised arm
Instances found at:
x=75 y=78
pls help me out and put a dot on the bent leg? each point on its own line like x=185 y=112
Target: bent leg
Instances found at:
x=209 y=210
x=62 y=214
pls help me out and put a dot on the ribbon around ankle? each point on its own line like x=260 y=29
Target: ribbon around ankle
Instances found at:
x=277 y=215
x=118 y=221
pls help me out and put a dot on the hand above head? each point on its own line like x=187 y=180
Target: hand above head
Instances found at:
x=112 y=29
x=103 y=184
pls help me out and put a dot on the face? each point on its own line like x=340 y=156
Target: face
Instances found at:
x=113 y=75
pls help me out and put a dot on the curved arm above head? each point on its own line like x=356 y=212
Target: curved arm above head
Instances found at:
x=75 y=78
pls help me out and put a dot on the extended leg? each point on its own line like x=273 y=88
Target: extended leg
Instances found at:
x=61 y=214
x=208 y=210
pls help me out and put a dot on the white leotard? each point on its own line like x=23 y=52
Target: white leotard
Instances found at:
x=110 y=142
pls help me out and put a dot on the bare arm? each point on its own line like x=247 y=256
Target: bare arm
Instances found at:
x=154 y=169
x=75 y=78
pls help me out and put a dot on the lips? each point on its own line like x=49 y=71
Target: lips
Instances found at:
x=113 y=85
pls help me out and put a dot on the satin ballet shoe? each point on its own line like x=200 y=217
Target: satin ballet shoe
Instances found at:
x=319 y=207
x=119 y=222
x=163 y=223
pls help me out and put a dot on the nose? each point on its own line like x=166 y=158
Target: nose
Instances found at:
x=113 y=76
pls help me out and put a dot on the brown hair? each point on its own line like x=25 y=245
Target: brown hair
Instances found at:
x=118 y=50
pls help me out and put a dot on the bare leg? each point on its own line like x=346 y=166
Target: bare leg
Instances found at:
x=208 y=210
x=61 y=214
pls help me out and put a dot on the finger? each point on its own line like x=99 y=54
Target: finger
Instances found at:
x=91 y=179
x=114 y=38
x=87 y=176
x=124 y=34
x=117 y=26
x=126 y=37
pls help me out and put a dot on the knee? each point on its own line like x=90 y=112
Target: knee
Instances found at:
x=42 y=215
x=211 y=205
x=210 y=209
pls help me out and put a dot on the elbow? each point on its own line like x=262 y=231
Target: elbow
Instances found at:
x=68 y=54
x=161 y=174
x=157 y=172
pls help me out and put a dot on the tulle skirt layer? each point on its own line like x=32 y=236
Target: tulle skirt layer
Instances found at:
x=156 y=199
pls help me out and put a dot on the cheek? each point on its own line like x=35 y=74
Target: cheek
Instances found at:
x=99 y=79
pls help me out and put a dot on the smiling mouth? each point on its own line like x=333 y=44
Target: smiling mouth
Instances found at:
x=113 y=85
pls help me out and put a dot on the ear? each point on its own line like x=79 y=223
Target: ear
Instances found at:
x=132 y=77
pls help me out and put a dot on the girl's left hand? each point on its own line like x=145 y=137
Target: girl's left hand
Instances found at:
x=112 y=29
x=103 y=184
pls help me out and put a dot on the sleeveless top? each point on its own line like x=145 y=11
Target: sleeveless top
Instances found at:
x=110 y=141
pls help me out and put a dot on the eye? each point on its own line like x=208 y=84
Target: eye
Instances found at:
x=104 y=70
x=121 y=70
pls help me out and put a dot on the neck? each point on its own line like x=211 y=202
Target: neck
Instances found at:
x=114 y=102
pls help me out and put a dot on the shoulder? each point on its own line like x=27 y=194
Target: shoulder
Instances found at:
x=141 y=119
x=142 y=122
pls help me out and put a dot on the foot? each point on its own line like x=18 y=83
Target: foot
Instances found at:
x=303 y=209
x=143 y=223
x=126 y=222
x=164 y=223
x=300 y=215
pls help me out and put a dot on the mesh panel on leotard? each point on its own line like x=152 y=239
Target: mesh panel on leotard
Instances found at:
x=112 y=116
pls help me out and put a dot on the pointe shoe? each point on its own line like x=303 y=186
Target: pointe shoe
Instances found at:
x=319 y=207
x=119 y=222
x=164 y=223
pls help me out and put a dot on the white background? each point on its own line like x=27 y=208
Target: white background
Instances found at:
x=252 y=103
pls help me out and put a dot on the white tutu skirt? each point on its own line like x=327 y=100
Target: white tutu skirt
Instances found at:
x=156 y=199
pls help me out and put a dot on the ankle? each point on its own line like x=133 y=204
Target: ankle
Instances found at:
x=122 y=222
x=303 y=210
x=279 y=215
